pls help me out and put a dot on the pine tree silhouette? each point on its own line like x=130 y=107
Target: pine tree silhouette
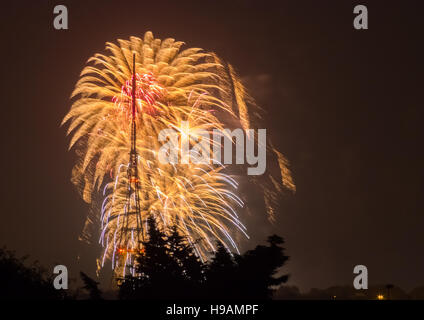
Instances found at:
x=221 y=274
x=169 y=268
x=258 y=269
x=247 y=276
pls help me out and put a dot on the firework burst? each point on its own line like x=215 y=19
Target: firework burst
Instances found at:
x=174 y=86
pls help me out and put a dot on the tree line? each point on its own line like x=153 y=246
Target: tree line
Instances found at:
x=168 y=268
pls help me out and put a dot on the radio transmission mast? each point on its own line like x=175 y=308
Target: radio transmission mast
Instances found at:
x=131 y=227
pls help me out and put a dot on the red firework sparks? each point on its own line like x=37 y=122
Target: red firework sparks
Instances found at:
x=147 y=94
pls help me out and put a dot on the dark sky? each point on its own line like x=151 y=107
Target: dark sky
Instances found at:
x=344 y=106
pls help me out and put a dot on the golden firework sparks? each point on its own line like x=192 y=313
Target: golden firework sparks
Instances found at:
x=175 y=87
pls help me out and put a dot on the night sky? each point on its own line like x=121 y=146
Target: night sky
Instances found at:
x=344 y=106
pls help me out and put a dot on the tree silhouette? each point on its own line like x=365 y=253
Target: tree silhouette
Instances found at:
x=91 y=286
x=169 y=268
x=247 y=276
x=19 y=281
x=223 y=281
x=190 y=268
x=259 y=267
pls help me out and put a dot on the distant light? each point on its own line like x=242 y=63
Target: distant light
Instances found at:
x=380 y=297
